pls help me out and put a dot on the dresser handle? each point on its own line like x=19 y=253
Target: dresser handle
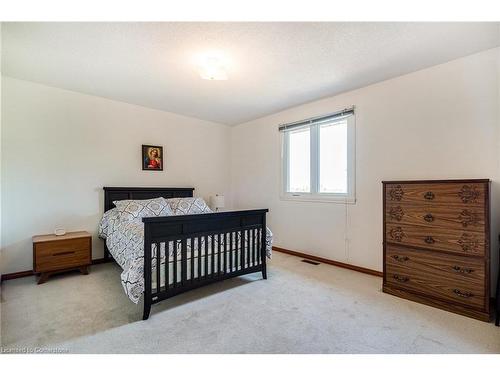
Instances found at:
x=402 y=279
x=463 y=294
x=63 y=253
x=429 y=195
x=400 y=259
x=429 y=240
x=462 y=270
x=429 y=218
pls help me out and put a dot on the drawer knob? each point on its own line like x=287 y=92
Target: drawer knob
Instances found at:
x=429 y=218
x=462 y=270
x=401 y=279
x=429 y=195
x=400 y=259
x=429 y=240
x=459 y=293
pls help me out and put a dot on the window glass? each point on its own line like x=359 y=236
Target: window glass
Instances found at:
x=333 y=158
x=299 y=161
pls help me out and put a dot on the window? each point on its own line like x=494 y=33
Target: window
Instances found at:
x=318 y=158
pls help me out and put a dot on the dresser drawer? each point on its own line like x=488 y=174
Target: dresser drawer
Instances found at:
x=452 y=280
x=51 y=256
x=472 y=194
x=435 y=238
x=459 y=269
x=459 y=217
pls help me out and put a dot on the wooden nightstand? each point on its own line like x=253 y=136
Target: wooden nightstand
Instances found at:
x=53 y=254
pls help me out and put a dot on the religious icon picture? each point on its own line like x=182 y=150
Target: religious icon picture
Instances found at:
x=152 y=158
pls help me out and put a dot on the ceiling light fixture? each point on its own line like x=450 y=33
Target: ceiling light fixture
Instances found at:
x=212 y=67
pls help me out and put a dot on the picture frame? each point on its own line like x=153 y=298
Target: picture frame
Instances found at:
x=152 y=158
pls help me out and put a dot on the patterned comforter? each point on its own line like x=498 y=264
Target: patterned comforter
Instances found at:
x=125 y=241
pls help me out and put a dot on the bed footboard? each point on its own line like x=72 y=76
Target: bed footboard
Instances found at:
x=188 y=251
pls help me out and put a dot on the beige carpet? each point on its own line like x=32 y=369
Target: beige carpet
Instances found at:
x=301 y=308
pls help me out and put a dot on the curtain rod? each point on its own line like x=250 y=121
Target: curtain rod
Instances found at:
x=342 y=113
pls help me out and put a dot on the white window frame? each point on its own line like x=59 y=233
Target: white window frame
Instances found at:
x=315 y=195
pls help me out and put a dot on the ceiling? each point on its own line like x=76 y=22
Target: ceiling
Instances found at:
x=272 y=66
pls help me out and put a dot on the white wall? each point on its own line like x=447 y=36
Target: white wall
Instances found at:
x=60 y=148
x=1 y=252
x=440 y=122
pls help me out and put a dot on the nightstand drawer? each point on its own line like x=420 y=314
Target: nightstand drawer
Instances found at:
x=63 y=260
x=50 y=256
x=49 y=248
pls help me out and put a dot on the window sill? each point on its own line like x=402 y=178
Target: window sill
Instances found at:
x=318 y=199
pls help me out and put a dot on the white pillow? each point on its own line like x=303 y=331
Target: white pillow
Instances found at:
x=188 y=206
x=134 y=208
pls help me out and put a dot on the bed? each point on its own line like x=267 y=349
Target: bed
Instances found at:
x=162 y=256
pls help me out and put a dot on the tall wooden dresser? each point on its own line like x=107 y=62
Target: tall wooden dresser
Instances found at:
x=436 y=244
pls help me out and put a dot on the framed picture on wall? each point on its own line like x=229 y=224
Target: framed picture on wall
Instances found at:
x=152 y=158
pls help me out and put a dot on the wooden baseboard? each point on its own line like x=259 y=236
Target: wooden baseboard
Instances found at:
x=17 y=275
x=329 y=261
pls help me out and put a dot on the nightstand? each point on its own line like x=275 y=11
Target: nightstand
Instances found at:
x=53 y=254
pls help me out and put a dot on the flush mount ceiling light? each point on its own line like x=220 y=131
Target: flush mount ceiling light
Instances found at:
x=212 y=66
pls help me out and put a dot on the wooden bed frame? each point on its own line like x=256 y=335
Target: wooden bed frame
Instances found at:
x=248 y=227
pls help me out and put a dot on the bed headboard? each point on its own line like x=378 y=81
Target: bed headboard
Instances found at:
x=120 y=193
